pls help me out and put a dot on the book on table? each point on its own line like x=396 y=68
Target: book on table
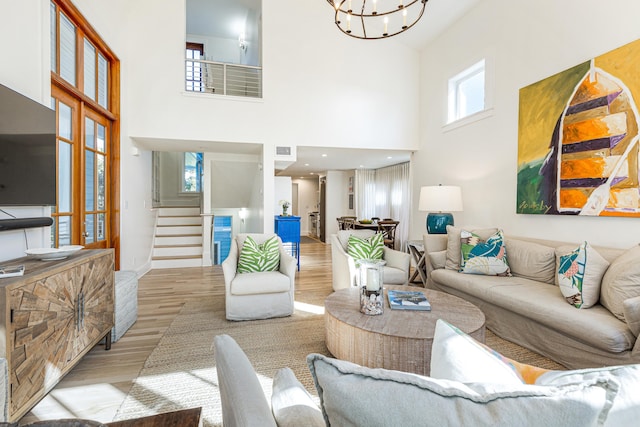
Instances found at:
x=408 y=300
x=11 y=270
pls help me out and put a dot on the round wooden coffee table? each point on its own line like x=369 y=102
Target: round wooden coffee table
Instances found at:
x=397 y=339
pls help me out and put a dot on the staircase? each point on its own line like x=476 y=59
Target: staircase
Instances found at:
x=178 y=238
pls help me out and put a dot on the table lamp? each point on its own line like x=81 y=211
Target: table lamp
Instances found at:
x=439 y=200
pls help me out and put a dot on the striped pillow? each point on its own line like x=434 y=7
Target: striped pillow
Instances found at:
x=255 y=257
x=370 y=248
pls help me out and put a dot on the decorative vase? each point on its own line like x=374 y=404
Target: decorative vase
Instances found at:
x=370 y=281
x=284 y=211
x=371 y=302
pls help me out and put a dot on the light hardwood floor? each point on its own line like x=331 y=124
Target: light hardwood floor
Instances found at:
x=96 y=387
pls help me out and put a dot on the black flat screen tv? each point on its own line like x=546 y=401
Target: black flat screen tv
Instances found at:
x=27 y=151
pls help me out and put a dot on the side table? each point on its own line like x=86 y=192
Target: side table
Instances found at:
x=416 y=249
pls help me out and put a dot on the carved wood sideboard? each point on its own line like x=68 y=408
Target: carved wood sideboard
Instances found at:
x=50 y=318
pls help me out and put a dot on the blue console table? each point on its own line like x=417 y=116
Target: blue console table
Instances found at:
x=288 y=229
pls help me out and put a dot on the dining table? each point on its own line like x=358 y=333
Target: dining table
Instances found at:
x=365 y=225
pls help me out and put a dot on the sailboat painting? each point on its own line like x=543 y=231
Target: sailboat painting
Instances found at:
x=578 y=139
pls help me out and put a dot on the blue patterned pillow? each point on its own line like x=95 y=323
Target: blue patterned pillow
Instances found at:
x=483 y=257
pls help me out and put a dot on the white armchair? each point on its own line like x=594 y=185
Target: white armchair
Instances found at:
x=260 y=295
x=396 y=270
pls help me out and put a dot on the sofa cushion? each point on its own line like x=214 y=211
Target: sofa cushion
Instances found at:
x=453 y=243
x=353 y=395
x=241 y=395
x=260 y=283
x=621 y=281
x=291 y=403
x=256 y=257
x=458 y=357
x=366 y=248
x=543 y=304
x=580 y=274
x=626 y=406
x=393 y=276
x=480 y=256
x=531 y=260
x=438 y=259
x=631 y=310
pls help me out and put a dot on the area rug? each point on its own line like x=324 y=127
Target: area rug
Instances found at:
x=180 y=372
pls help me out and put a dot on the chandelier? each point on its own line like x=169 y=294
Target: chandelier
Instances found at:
x=376 y=19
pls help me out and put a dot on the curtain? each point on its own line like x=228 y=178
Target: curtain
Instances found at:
x=365 y=193
x=385 y=193
x=393 y=198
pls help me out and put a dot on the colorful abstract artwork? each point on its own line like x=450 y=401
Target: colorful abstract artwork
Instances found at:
x=578 y=139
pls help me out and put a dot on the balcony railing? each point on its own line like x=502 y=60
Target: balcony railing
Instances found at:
x=223 y=79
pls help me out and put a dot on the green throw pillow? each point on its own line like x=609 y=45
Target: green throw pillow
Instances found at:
x=369 y=248
x=255 y=257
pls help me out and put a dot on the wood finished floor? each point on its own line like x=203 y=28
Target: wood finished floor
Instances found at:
x=96 y=387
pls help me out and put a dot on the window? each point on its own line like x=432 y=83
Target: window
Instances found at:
x=192 y=172
x=467 y=92
x=194 y=74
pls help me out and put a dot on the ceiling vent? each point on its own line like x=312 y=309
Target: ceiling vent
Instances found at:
x=283 y=151
x=285 y=156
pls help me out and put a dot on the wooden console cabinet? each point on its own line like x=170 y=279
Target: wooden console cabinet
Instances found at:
x=50 y=318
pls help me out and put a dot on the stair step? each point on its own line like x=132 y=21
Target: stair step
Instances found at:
x=165 y=221
x=166 y=258
x=178 y=251
x=178 y=230
x=186 y=245
x=179 y=211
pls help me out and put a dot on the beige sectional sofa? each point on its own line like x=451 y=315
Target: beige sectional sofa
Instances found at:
x=529 y=309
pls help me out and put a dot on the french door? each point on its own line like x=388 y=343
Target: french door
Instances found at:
x=81 y=215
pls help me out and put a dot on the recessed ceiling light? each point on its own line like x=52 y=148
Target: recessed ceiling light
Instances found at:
x=389 y=157
x=310 y=173
x=361 y=166
x=324 y=155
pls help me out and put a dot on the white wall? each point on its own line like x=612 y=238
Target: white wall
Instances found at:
x=218 y=49
x=282 y=191
x=527 y=42
x=337 y=202
x=308 y=199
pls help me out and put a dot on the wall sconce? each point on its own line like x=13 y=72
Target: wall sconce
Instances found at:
x=242 y=42
x=242 y=213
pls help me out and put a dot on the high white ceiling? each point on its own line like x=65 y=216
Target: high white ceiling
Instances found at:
x=224 y=19
x=314 y=160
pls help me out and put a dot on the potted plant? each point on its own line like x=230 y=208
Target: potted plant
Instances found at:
x=285 y=207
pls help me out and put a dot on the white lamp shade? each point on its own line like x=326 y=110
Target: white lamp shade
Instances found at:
x=440 y=198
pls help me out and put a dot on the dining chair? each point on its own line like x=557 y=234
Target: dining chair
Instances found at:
x=348 y=222
x=388 y=229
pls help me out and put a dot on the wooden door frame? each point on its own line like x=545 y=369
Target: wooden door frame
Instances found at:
x=113 y=114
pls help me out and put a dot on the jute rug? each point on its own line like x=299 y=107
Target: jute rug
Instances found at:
x=180 y=372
